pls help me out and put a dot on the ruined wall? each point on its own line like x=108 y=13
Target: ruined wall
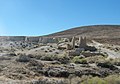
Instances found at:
x=12 y=38
x=49 y=40
x=29 y=39
x=32 y=39
x=16 y=38
x=82 y=42
x=4 y=38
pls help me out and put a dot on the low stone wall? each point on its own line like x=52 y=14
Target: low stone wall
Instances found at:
x=16 y=38
x=48 y=40
x=12 y=38
x=29 y=39
x=32 y=39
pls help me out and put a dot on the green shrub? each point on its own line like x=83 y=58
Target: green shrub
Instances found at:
x=115 y=61
x=95 y=59
x=94 y=80
x=61 y=58
x=36 y=56
x=112 y=79
x=48 y=57
x=79 y=60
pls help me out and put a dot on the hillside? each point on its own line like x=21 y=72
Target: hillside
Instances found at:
x=96 y=31
x=102 y=33
x=47 y=60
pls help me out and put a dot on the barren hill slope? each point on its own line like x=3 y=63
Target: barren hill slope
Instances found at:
x=96 y=31
x=102 y=33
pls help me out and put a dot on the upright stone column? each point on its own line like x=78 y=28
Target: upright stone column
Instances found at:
x=73 y=42
x=82 y=42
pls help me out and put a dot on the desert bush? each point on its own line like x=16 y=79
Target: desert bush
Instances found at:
x=61 y=58
x=50 y=50
x=12 y=54
x=50 y=81
x=42 y=48
x=35 y=63
x=15 y=76
x=48 y=57
x=95 y=59
x=36 y=67
x=112 y=79
x=94 y=80
x=35 y=56
x=107 y=64
x=115 y=61
x=46 y=51
x=5 y=58
x=79 y=60
x=23 y=58
x=56 y=52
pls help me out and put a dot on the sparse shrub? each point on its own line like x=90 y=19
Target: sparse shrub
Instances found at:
x=35 y=56
x=15 y=76
x=61 y=58
x=47 y=58
x=53 y=49
x=79 y=60
x=50 y=81
x=115 y=61
x=12 y=54
x=51 y=46
x=35 y=63
x=112 y=79
x=104 y=54
x=46 y=51
x=31 y=55
x=23 y=58
x=50 y=50
x=5 y=58
x=42 y=48
x=94 y=80
x=56 y=52
x=95 y=59
x=107 y=64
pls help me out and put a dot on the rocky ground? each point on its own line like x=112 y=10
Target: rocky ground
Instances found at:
x=37 y=63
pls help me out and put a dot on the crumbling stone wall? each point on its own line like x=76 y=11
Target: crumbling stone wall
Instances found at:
x=16 y=38
x=48 y=40
x=32 y=39
x=82 y=42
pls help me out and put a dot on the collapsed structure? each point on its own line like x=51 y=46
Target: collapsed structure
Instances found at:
x=81 y=43
x=76 y=46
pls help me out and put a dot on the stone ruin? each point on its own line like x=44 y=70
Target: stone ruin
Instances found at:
x=76 y=46
x=34 y=39
x=81 y=43
x=73 y=49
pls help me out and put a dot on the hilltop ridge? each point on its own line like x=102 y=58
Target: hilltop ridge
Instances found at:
x=93 y=31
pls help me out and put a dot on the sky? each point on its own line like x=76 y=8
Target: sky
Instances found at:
x=41 y=17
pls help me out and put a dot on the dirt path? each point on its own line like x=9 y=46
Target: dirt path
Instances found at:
x=111 y=53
